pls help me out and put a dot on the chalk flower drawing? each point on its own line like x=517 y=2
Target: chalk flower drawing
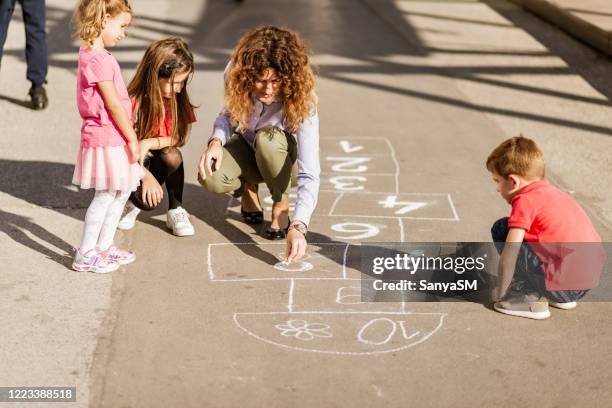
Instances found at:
x=301 y=329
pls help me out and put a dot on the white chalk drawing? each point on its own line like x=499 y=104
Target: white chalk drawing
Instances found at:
x=407 y=206
x=347 y=148
x=348 y=183
x=352 y=333
x=436 y=202
x=390 y=326
x=302 y=330
x=297 y=266
x=349 y=164
x=354 y=294
x=359 y=230
x=344 y=332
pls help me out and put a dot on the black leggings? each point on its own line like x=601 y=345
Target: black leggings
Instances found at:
x=166 y=165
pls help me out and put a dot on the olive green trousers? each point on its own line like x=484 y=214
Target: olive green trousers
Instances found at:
x=273 y=161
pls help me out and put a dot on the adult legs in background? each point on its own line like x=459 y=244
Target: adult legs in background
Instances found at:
x=36 y=41
x=6 y=12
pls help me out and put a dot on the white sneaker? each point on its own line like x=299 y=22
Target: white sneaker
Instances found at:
x=128 y=219
x=178 y=221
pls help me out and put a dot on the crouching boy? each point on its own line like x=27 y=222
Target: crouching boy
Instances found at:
x=556 y=267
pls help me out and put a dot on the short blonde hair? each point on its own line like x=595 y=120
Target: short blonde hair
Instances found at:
x=518 y=155
x=90 y=14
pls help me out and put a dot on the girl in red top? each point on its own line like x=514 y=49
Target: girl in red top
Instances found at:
x=163 y=116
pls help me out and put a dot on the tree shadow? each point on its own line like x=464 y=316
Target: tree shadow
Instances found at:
x=337 y=29
x=596 y=72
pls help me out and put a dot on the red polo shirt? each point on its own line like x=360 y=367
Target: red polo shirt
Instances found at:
x=550 y=217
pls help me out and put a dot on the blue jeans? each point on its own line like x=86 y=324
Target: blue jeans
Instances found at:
x=36 y=37
x=529 y=276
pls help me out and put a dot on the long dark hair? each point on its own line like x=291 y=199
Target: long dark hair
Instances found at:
x=163 y=59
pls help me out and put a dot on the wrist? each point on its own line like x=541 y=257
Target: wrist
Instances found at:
x=299 y=226
x=214 y=141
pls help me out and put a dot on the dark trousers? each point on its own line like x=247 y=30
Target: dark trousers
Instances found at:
x=166 y=165
x=36 y=37
x=528 y=275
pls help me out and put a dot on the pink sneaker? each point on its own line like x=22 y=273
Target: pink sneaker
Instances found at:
x=122 y=257
x=93 y=261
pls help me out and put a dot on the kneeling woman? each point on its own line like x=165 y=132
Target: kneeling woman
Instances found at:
x=268 y=132
x=163 y=116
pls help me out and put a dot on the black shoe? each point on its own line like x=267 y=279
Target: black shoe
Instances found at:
x=274 y=234
x=253 y=217
x=39 y=100
x=250 y=217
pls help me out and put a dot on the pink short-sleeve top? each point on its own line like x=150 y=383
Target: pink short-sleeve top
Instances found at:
x=99 y=128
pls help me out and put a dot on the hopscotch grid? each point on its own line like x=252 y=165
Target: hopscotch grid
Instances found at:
x=344 y=256
x=292 y=280
x=392 y=217
x=383 y=192
x=378 y=312
x=367 y=155
x=283 y=279
x=397 y=167
x=333 y=207
x=450 y=201
x=213 y=278
x=350 y=353
x=291 y=287
x=325 y=173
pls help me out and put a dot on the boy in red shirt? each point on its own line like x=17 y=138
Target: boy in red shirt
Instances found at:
x=546 y=272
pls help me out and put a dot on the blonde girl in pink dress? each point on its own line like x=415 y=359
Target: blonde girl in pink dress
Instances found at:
x=108 y=156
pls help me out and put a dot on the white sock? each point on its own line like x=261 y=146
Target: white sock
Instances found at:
x=113 y=215
x=94 y=219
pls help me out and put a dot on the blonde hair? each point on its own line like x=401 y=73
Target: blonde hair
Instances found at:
x=163 y=59
x=264 y=48
x=90 y=14
x=518 y=155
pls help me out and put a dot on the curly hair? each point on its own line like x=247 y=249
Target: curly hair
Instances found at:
x=90 y=14
x=264 y=48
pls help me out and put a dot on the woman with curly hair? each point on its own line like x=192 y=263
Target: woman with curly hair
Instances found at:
x=268 y=132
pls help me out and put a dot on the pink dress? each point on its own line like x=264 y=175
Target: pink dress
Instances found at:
x=103 y=161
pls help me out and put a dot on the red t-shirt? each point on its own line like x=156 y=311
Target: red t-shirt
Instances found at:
x=165 y=128
x=549 y=217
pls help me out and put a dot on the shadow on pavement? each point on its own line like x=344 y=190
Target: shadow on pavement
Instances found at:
x=19 y=102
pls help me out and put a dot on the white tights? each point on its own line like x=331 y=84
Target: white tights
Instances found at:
x=102 y=219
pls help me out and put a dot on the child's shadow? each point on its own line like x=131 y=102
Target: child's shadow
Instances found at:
x=15 y=226
x=44 y=184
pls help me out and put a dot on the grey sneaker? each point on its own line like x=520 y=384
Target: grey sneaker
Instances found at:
x=529 y=305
